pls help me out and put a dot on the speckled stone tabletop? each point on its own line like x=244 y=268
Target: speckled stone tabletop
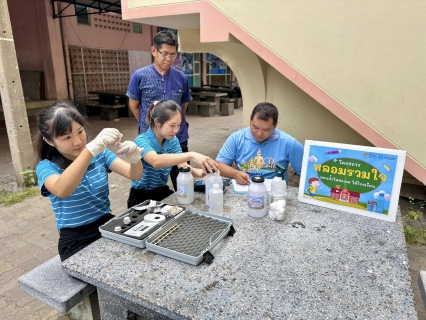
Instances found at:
x=318 y=263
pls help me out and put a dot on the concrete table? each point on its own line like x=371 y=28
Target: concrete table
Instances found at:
x=316 y=264
x=211 y=97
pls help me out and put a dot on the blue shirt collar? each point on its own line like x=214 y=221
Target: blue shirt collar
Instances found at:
x=158 y=73
x=155 y=144
x=274 y=136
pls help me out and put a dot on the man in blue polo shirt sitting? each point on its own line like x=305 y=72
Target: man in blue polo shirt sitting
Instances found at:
x=256 y=150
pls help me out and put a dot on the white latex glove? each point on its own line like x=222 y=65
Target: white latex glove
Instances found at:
x=108 y=136
x=129 y=152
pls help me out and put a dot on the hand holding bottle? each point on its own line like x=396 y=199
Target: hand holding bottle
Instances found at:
x=108 y=136
x=129 y=152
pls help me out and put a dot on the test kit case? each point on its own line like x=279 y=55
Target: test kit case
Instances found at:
x=182 y=234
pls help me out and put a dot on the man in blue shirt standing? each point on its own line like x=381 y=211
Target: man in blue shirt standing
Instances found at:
x=256 y=150
x=160 y=81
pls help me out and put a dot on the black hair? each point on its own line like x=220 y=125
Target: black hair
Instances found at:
x=165 y=37
x=53 y=122
x=161 y=111
x=264 y=111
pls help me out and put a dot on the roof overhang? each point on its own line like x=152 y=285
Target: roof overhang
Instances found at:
x=102 y=6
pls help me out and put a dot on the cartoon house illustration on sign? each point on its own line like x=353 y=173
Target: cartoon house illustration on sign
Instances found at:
x=344 y=195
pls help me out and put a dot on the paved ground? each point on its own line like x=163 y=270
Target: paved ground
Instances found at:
x=27 y=230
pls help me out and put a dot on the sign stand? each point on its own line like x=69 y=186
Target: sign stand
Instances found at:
x=351 y=178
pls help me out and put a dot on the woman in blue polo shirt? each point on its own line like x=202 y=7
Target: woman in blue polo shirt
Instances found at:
x=161 y=152
x=74 y=175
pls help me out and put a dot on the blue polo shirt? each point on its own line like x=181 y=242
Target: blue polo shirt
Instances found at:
x=89 y=201
x=154 y=177
x=259 y=159
x=148 y=85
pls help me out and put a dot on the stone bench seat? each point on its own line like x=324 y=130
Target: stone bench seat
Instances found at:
x=109 y=112
x=227 y=106
x=227 y=100
x=32 y=107
x=201 y=108
x=51 y=285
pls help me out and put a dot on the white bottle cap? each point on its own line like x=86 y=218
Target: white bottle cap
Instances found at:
x=117 y=228
x=126 y=220
x=216 y=186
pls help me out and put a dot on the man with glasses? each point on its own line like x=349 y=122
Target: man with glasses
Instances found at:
x=160 y=81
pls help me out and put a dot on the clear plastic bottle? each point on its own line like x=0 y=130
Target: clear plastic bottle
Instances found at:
x=277 y=198
x=278 y=189
x=210 y=180
x=216 y=200
x=257 y=198
x=185 y=186
x=219 y=180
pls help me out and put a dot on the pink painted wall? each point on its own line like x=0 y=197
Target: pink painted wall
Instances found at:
x=38 y=41
x=38 y=44
x=95 y=37
x=27 y=34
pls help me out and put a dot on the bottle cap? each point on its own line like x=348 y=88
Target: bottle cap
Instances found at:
x=184 y=169
x=216 y=186
x=257 y=179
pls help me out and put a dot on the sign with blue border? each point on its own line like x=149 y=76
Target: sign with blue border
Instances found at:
x=356 y=179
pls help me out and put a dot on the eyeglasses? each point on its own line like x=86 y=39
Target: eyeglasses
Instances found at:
x=165 y=55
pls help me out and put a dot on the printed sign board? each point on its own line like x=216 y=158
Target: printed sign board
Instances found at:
x=356 y=179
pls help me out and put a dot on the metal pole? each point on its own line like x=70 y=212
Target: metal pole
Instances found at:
x=15 y=113
x=66 y=55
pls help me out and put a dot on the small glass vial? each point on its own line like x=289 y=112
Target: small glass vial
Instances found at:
x=185 y=186
x=257 y=196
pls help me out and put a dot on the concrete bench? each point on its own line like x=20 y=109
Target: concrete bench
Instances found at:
x=238 y=103
x=33 y=107
x=227 y=106
x=201 y=108
x=422 y=286
x=49 y=284
x=109 y=112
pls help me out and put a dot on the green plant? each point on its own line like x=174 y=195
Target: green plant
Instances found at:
x=10 y=199
x=415 y=228
x=29 y=177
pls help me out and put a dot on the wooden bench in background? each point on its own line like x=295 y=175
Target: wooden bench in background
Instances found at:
x=201 y=108
x=108 y=112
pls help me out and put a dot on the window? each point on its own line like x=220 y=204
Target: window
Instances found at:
x=137 y=27
x=82 y=13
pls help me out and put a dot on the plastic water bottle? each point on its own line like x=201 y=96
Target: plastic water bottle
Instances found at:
x=185 y=186
x=278 y=189
x=219 y=180
x=216 y=200
x=210 y=180
x=277 y=198
x=257 y=198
